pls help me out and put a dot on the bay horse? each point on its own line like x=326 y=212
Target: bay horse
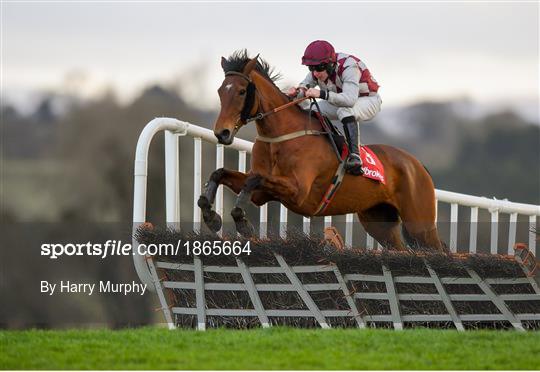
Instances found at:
x=298 y=171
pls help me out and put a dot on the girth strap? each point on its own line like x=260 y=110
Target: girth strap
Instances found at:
x=290 y=136
x=332 y=189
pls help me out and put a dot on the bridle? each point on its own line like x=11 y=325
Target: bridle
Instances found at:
x=249 y=101
x=245 y=117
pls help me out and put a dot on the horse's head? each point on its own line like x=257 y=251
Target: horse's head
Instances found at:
x=238 y=101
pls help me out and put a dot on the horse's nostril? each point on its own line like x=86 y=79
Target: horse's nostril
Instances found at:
x=224 y=136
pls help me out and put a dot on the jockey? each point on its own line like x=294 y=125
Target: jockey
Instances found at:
x=347 y=89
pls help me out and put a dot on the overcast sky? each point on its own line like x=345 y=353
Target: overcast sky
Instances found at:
x=484 y=51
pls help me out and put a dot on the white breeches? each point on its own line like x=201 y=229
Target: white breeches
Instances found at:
x=364 y=109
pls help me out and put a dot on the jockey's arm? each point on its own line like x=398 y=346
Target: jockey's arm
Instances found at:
x=308 y=82
x=350 y=90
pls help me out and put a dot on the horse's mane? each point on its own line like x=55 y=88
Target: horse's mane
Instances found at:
x=237 y=61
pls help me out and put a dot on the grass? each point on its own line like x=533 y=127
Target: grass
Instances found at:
x=276 y=348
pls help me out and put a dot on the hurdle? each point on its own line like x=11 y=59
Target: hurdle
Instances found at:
x=148 y=268
x=307 y=283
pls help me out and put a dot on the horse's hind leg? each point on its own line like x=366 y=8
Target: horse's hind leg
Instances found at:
x=417 y=208
x=232 y=179
x=382 y=223
x=419 y=228
x=427 y=237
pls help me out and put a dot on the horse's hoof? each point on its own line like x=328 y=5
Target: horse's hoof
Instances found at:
x=245 y=228
x=212 y=220
x=237 y=214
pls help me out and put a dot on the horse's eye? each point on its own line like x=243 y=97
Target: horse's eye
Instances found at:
x=242 y=92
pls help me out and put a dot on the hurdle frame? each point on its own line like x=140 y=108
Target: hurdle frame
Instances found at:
x=174 y=128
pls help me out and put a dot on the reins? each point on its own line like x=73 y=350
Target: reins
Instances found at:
x=245 y=119
x=244 y=116
x=262 y=115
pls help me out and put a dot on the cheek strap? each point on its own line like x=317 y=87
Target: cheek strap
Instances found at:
x=248 y=103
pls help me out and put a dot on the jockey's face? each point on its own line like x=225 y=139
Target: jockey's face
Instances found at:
x=320 y=75
x=319 y=71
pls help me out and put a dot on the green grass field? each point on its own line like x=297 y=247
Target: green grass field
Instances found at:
x=276 y=348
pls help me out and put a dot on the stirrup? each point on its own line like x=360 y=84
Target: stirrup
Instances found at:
x=354 y=166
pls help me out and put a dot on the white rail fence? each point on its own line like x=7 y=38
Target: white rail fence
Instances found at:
x=175 y=128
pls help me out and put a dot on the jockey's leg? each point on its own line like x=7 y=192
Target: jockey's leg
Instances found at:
x=353 y=164
x=328 y=110
x=364 y=109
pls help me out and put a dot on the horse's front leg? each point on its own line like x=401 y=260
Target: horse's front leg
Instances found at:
x=232 y=179
x=267 y=188
x=243 y=226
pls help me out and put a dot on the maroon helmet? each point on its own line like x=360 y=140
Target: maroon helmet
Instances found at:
x=318 y=52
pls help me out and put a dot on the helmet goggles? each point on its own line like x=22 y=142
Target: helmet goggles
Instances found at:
x=319 y=68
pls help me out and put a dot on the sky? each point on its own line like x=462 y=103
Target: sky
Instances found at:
x=486 y=52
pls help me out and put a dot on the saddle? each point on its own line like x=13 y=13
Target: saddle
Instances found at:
x=372 y=167
x=336 y=138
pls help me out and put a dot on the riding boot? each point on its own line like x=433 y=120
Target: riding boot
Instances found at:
x=353 y=164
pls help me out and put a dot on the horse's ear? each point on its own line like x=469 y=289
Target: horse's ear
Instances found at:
x=223 y=62
x=250 y=65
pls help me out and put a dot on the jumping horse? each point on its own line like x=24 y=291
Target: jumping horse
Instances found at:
x=291 y=164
